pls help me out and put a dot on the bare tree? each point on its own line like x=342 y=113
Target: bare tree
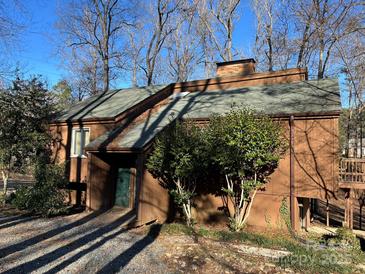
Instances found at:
x=161 y=13
x=183 y=56
x=99 y=25
x=218 y=17
x=276 y=41
x=351 y=54
x=264 y=10
x=183 y=46
x=304 y=32
x=86 y=78
x=134 y=52
x=11 y=28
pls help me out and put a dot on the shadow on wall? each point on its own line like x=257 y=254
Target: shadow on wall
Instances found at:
x=315 y=159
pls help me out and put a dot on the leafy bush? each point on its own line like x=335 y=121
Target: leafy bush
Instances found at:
x=246 y=148
x=47 y=196
x=178 y=160
x=344 y=237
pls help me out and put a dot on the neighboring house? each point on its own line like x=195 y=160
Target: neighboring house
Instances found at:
x=356 y=151
x=106 y=139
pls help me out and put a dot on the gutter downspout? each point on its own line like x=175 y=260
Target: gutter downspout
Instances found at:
x=88 y=188
x=292 y=189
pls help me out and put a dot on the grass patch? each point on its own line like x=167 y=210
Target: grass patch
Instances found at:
x=176 y=229
x=306 y=257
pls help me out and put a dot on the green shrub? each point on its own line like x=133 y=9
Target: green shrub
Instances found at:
x=344 y=237
x=22 y=197
x=47 y=196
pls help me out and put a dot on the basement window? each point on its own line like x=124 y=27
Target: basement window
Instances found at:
x=80 y=139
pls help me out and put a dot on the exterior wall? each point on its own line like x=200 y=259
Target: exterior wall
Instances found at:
x=315 y=176
x=255 y=79
x=235 y=69
x=154 y=200
x=101 y=183
x=316 y=158
x=76 y=167
x=100 y=192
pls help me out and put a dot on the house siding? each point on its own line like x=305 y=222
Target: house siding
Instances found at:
x=315 y=163
x=315 y=177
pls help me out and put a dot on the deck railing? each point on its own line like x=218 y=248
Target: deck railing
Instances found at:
x=352 y=170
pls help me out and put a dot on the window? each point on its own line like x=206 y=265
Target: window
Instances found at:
x=80 y=138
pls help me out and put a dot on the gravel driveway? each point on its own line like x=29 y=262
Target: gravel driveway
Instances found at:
x=80 y=243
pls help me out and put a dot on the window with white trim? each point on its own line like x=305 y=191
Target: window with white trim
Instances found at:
x=80 y=139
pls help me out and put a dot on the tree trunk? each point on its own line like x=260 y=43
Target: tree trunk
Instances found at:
x=320 y=61
x=5 y=176
x=186 y=206
x=134 y=75
x=229 y=40
x=105 y=74
x=360 y=118
x=270 y=57
x=303 y=44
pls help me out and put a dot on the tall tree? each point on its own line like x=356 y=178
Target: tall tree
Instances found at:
x=273 y=48
x=305 y=33
x=134 y=53
x=63 y=94
x=183 y=45
x=26 y=109
x=218 y=17
x=162 y=14
x=85 y=73
x=99 y=25
x=11 y=29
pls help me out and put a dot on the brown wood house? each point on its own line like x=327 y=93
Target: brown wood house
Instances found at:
x=105 y=141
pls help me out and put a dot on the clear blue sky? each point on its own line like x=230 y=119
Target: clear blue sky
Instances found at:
x=37 y=51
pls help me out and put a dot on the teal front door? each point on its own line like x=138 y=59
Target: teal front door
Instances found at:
x=122 y=193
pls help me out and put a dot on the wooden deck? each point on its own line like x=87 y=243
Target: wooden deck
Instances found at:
x=352 y=173
x=351 y=177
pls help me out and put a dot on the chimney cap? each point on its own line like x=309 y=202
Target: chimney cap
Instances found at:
x=242 y=61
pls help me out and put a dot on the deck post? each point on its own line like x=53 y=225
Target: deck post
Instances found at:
x=351 y=210
x=349 y=220
x=327 y=213
x=346 y=222
x=347 y=209
x=352 y=176
x=306 y=204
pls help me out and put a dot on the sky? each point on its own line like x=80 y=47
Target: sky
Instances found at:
x=36 y=52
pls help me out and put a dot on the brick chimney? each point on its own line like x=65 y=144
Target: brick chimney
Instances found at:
x=236 y=68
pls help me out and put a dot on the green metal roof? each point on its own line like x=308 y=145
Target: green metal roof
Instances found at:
x=306 y=97
x=109 y=104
